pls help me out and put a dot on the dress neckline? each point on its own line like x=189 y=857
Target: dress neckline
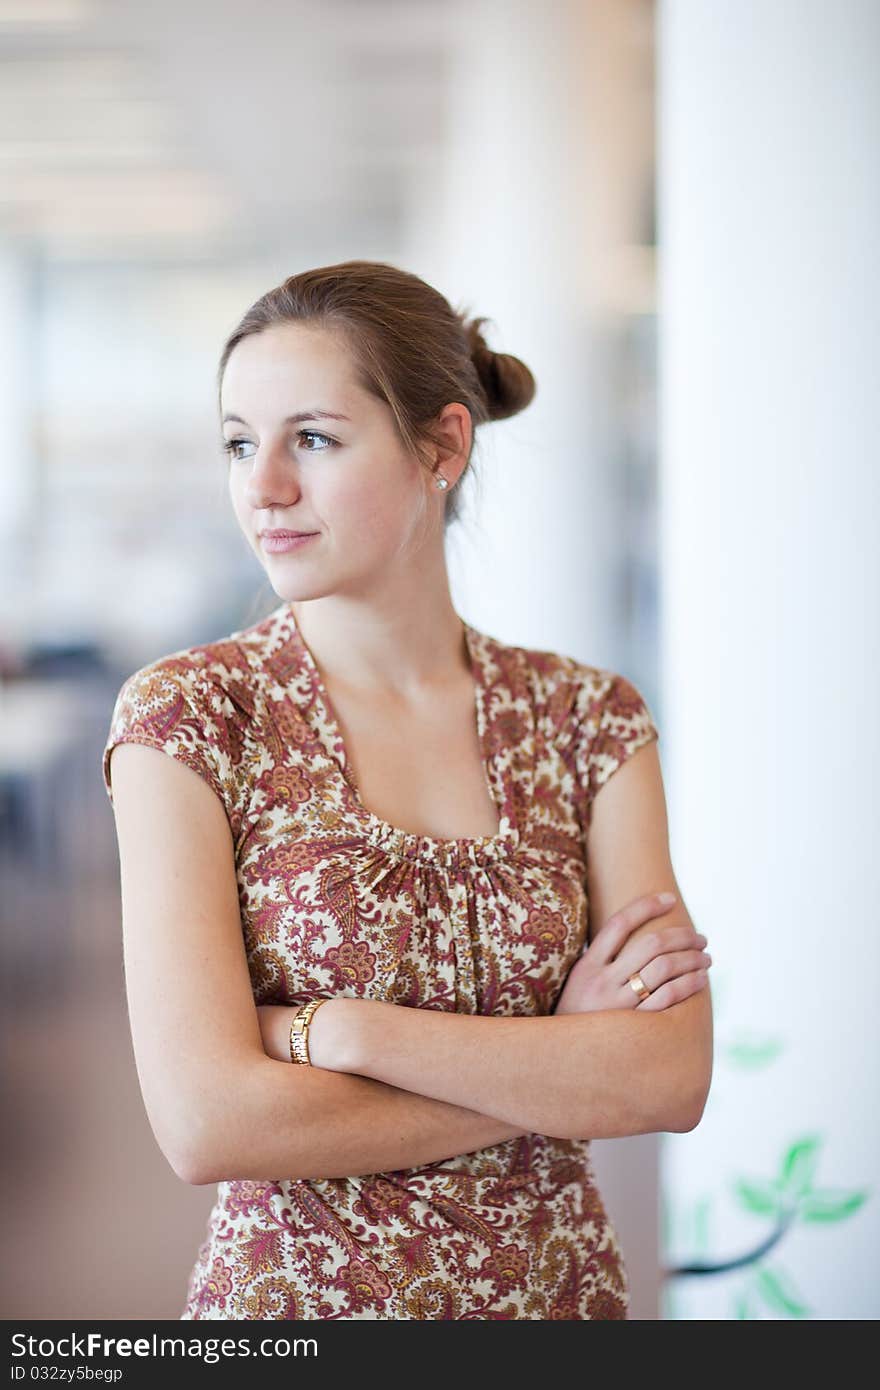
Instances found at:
x=410 y=844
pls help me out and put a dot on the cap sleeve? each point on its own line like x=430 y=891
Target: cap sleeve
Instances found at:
x=612 y=720
x=160 y=706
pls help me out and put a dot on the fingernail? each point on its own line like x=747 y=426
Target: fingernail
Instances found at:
x=666 y=897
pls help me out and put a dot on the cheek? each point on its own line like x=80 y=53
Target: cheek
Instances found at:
x=376 y=506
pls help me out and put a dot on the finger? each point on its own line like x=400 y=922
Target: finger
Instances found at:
x=674 y=991
x=610 y=937
x=638 y=952
x=669 y=967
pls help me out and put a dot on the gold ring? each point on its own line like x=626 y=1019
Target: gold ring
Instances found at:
x=637 y=983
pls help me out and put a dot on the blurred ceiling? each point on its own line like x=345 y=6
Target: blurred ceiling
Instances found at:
x=211 y=128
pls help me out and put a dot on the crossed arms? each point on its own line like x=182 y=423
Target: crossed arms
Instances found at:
x=392 y=1087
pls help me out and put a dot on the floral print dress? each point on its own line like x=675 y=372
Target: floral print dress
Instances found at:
x=336 y=901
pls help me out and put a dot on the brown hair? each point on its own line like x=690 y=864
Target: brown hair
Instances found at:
x=410 y=347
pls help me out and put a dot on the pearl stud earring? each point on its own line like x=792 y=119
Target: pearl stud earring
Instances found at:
x=442 y=482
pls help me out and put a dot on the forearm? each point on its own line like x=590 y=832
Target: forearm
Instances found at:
x=595 y=1075
x=288 y=1121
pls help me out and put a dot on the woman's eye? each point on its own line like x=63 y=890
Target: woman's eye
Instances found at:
x=313 y=434
x=231 y=446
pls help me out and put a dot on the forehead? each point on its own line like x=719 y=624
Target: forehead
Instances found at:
x=288 y=366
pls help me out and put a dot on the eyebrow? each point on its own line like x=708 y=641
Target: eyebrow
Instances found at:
x=297 y=418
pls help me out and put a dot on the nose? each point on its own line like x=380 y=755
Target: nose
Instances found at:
x=273 y=479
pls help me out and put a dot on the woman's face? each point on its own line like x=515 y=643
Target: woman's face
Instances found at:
x=346 y=480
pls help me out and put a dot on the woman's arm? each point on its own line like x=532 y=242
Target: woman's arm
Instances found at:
x=306 y=1122
x=218 y=1106
x=592 y=1075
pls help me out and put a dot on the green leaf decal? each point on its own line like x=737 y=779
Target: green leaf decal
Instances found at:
x=752 y=1053
x=779 y=1292
x=759 y=1197
x=830 y=1205
x=799 y=1165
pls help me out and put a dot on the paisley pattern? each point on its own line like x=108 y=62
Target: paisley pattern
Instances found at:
x=335 y=901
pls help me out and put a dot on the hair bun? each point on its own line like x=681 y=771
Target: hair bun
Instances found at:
x=507 y=382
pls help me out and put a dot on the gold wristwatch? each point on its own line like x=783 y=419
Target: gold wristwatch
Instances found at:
x=299 y=1032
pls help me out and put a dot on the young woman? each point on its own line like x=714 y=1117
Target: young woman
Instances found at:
x=400 y=948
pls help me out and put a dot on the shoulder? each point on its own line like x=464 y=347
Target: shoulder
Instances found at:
x=204 y=704
x=227 y=674
x=573 y=698
x=595 y=717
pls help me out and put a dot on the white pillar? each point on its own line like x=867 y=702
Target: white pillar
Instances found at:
x=769 y=223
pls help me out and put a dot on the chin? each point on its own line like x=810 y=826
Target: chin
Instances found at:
x=295 y=589
x=291 y=592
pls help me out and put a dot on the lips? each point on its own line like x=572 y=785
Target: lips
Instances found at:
x=285 y=542
x=280 y=535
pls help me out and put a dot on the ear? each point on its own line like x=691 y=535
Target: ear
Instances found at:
x=453 y=430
